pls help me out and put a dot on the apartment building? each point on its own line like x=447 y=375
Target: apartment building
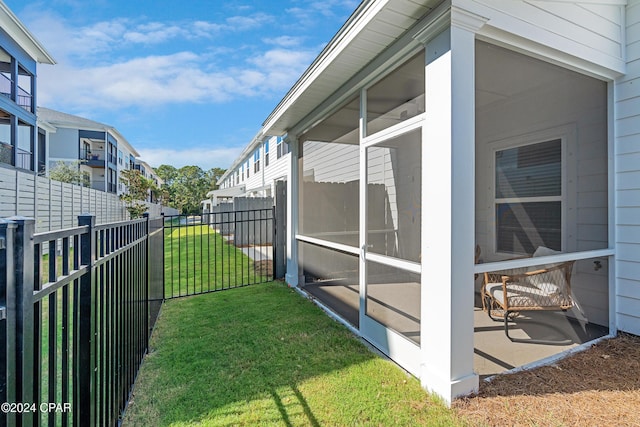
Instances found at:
x=101 y=151
x=22 y=144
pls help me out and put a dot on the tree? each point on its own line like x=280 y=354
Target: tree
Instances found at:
x=69 y=172
x=188 y=186
x=167 y=173
x=213 y=175
x=138 y=188
x=189 y=189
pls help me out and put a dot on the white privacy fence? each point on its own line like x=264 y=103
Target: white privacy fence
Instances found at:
x=56 y=205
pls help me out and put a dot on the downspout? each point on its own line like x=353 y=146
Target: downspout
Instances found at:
x=264 y=164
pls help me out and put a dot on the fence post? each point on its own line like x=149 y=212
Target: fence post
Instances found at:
x=87 y=333
x=7 y=319
x=26 y=370
x=274 y=243
x=147 y=278
x=164 y=296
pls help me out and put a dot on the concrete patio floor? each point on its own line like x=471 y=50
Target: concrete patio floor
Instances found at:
x=493 y=351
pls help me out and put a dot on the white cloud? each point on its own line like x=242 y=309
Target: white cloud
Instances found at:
x=284 y=41
x=154 y=33
x=205 y=157
x=243 y=23
x=161 y=79
x=312 y=10
x=85 y=42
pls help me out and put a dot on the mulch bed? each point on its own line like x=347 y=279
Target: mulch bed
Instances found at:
x=597 y=387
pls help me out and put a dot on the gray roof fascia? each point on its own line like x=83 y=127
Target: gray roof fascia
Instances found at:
x=292 y=110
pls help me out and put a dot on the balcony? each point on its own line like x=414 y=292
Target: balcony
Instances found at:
x=22 y=158
x=98 y=185
x=23 y=98
x=93 y=158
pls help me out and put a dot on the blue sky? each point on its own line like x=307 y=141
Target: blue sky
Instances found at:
x=186 y=82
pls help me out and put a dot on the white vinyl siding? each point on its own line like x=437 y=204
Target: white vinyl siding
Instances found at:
x=260 y=181
x=627 y=159
x=594 y=32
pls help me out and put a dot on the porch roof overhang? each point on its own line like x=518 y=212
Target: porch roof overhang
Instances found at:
x=227 y=192
x=10 y=23
x=371 y=29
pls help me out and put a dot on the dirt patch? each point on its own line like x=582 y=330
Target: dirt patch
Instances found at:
x=596 y=387
x=263 y=268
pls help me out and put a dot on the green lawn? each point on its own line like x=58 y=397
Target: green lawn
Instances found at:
x=45 y=309
x=263 y=355
x=197 y=260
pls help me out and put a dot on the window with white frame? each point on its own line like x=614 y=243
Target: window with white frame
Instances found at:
x=528 y=197
x=266 y=154
x=256 y=161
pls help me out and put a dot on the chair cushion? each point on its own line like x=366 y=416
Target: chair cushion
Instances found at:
x=525 y=295
x=544 y=251
x=547 y=281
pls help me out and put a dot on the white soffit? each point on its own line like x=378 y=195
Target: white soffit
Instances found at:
x=373 y=27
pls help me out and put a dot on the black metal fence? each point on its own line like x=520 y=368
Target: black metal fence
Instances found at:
x=217 y=251
x=76 y=310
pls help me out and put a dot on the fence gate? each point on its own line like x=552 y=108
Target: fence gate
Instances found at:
x=217 y=251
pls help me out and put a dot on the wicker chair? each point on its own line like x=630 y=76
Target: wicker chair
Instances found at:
x=506 y=294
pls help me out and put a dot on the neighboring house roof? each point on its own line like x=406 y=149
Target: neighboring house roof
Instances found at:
x=18 y=32
x=365 y=35
x=60 y=119
x=227 y=192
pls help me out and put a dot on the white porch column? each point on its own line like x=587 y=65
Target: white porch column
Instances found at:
x=448 y=202
x=292 y=275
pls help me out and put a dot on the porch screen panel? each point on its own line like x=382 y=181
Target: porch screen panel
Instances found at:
x=394 y=197
x=329 y=178
x=393 y=299
x=332 y=277
x=397 y=97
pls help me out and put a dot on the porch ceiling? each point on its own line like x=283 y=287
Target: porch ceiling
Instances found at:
x=373 y=27
x=519 y=74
